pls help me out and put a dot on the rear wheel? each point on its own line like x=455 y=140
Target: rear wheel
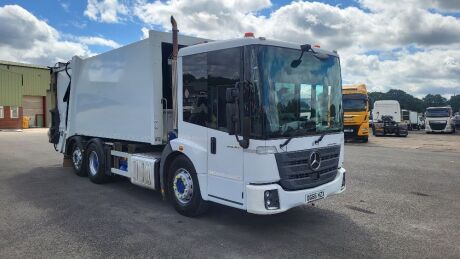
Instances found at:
x=95 y=163
x=184 y=188
x=365 y=139
x=78 y=157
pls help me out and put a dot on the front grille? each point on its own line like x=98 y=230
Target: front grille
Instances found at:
x=295 y=171
x=437 y=126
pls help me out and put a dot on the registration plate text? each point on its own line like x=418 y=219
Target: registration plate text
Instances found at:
x=314 y=196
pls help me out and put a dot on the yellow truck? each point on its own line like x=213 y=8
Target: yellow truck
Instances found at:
x=356 y=112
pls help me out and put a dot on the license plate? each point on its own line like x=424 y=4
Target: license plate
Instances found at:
x=314 y=196
x=347 y=130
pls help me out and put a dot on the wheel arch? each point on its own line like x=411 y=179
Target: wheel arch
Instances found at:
x=167 y=157
x=71 y=141
x=94 y=140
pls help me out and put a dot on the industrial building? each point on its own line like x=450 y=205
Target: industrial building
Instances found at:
x=25 y=97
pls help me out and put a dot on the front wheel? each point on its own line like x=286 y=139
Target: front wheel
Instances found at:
x=184 y=188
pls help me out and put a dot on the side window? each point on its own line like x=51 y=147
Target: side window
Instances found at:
x=206 y=78
x=224 y=69
x=195 y=87
x=2 y=114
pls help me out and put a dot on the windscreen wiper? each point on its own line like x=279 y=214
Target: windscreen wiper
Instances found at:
x=293 y=134
x=320 y=138
x=286 y=142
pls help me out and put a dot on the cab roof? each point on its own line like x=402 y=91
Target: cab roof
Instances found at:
x=351 y=89
x=225 y=44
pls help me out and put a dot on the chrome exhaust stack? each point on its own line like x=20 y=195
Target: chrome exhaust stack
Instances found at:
x=174 y=70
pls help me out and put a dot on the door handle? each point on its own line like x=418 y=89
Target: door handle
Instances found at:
x=213 y=145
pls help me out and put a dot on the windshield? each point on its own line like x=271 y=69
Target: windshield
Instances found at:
x=354 y=102
x=438 y=112
x=293 y=101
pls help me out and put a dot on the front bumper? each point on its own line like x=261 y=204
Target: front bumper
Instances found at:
x=356 y=131
x=446 y=129
x=255 y=202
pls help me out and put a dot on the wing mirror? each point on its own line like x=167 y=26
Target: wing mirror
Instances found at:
x=233 y=97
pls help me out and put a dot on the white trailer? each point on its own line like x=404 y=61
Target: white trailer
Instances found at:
x=411 y=118
x=414 y=119
x=228 y=135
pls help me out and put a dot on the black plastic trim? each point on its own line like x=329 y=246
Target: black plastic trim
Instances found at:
x=239 y=203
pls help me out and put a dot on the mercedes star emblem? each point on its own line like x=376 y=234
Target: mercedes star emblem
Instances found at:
x=315 y=161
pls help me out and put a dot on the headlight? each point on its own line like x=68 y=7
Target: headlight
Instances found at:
x=263 y=150
x=271 y=199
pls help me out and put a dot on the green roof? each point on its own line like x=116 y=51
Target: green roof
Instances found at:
x=11 y=63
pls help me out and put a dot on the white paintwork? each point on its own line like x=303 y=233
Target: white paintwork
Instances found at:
x=386 y=107
x=288 y=199
x=413 y=117
x=118 y=94
x=225 y=168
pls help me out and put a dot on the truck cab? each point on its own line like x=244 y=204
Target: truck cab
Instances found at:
x=439 y=120
x=356 y=112
x=387 y=119
x=272 y=108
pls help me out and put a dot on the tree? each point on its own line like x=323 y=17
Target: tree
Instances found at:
x=434 y=100
x=407 y=101
x=454 y=102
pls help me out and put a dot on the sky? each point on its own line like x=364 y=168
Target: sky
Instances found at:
x=412 y=45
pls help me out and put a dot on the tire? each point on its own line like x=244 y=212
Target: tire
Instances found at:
x=95 y=163
x=184 y=190
x=365 y=139
x=78 y=159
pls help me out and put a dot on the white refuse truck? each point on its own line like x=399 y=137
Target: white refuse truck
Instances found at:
x=250 y=123
x=439 y=119
x=387 y=119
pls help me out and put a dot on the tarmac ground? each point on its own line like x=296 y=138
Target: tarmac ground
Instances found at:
x=402 y=201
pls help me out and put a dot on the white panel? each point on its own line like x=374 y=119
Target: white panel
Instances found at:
x=118 y=94
x=113 y=94
x=225 y=168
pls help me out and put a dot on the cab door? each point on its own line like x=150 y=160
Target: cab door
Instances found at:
x=225 y=156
